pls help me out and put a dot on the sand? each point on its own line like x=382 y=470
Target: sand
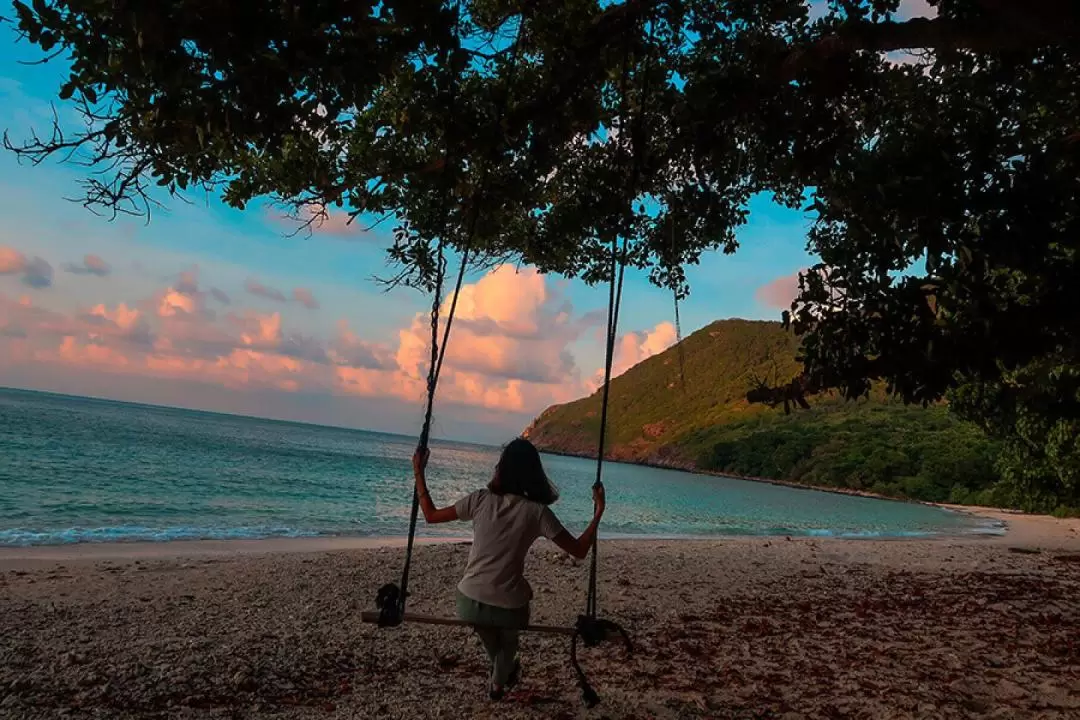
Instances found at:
x=736 y=628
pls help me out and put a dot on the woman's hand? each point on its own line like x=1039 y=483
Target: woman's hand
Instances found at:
x=432 y=514
x=598 y=499
x=579 y=546
x=420 y=460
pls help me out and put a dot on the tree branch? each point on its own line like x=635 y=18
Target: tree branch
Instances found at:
x=1047 y=22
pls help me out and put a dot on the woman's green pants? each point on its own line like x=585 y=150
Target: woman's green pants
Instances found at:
x=498 y=629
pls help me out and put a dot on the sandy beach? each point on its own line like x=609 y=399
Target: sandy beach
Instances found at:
x=973 y=627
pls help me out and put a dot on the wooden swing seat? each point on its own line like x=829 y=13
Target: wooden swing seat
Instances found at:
x=373 y=617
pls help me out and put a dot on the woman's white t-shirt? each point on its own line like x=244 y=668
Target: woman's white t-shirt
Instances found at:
x=504 y=528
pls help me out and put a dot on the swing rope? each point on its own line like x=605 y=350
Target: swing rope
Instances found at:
x=678 y=324
x=438 y=353
x=590 y=629
x=614 y=300
x=391 y=599
x=618 y=269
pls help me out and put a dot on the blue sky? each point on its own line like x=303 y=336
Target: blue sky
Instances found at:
x=153 y=328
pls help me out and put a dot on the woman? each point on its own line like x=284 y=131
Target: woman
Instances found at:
x=507 y=516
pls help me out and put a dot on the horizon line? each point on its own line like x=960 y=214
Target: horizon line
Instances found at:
x=263 y=418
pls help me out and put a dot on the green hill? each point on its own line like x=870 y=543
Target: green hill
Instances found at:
x=700 y=420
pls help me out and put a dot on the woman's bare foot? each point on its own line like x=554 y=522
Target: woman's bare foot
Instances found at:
x=498 y=692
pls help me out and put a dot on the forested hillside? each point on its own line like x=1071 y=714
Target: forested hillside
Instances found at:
x=699 y=419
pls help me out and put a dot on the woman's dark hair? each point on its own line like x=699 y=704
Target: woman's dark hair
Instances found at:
x=520 y=472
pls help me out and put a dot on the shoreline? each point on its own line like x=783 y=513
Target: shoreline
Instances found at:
x=1033 y=532
x=691 y=469
x=176 y=549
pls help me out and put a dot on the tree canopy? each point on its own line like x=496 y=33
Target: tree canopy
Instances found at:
x=944 y=191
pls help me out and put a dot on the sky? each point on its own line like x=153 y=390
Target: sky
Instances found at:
x=217 y=309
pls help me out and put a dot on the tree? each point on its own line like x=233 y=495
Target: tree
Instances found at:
x=551 y=132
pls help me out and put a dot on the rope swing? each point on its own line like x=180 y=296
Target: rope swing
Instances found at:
x=589 y=629
x=391 y=599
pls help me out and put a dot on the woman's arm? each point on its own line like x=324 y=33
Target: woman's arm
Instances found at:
x=432 y=514
x=579 y=547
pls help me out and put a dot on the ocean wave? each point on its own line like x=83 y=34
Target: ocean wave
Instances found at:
x=628 y=530
x=25 y=537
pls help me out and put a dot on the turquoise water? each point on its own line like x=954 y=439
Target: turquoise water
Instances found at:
x=82 y=470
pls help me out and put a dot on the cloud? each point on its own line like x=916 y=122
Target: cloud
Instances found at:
x=90 y=353
x=188 y=282
x=334 y=223
x=36 y=272
x=90 y=265
x=221 y=296
x=11 y=261
x=508 y=325
x=636 y=346
x=348 y=350
x=173 y=302
x=256 y=288
x=123 y=317
x=916 y=9
x=123 y=325
x=305 y=298
x=123 y=321
x=262 y=330
x=182 y=300
x=908 y=9
x=510 y=350
x=321 y=220
x=779 y=293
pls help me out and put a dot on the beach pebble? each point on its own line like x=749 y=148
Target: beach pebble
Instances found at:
x=279 y=636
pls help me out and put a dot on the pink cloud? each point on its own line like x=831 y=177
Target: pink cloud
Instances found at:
x=173 y=302
x=779 y=293
x=183 y=300
x=188 y=283
x=262 y=330
x=635 y=347
x=305 y=298
x=330 y=222
x=90 y=265
x=11 y=261
x=123 y=317
x=36 y=272
x=256 y=288
x=510 y=349
x=31 y=319
x=75 y=353
x=336 y=223
x=349 y=350
x=320 y=220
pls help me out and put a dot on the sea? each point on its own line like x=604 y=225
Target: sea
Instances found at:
x=81 y=470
